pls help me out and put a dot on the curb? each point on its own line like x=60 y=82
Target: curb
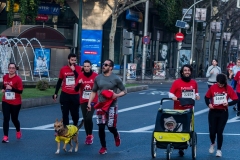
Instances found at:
x=47 y=100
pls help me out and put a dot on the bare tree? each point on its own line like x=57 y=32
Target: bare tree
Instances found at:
x=119 y=6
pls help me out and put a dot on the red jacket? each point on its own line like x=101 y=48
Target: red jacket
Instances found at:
x=106 y=104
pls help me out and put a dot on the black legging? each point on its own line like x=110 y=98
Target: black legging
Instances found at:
x=238 y=104
x=13 y=111
x=101 y=133
x=217 y=120
x=69 y=102
x=87 y=116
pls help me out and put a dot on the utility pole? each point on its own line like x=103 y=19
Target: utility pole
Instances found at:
x=80 y=29
x=210 y=37
x=193 y=34
x=145 y=34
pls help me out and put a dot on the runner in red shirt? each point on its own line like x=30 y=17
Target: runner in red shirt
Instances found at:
x=184 y=87
x=216 y=99
x=85 y=84
x=11 y=101
x=69 y=98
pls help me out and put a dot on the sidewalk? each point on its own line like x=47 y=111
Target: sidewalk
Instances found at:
x=42 y=101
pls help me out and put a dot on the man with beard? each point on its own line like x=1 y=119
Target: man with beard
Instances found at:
x=106 y=85
x=184 y=87
x=69 y=98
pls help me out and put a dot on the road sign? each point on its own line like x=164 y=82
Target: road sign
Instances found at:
x=179 y=37
x=180 y=24
x=146 y=40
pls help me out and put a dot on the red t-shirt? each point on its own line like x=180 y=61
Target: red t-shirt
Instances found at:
x=86 y=88
x=69 y=80
x=220 y=95
x=237 y=78
x=11 y=97
x=183 y=89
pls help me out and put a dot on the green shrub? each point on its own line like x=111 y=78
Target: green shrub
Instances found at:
x=42 y=85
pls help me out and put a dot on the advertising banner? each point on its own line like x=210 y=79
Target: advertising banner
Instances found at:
x=91 y=46
x=184 y=57
x=41 y=63
x=49 y=9
x=201 y=14
x=159 y=70
x=131 y=72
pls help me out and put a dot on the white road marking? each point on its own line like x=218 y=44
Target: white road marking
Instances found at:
x=235 y=119
x=152 y=126
x=82 y=130
x=119 y=111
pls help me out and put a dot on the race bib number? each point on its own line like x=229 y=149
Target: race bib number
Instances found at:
x=70 y=80
x=188 y=94
x=219 y=99
x=86 y=94
x=9 y=95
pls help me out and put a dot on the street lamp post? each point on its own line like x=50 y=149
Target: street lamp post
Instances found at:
x=180 y=43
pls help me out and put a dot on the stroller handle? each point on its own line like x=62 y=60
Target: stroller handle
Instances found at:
x=165 y=99
x=183 y=101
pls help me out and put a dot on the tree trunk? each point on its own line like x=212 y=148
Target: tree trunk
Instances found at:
x=112 y=36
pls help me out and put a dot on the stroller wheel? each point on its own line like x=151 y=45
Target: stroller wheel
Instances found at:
x=168 y=151
x=194 y=145
x=153 y=147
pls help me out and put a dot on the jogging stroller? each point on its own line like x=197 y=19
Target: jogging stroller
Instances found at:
x=174 y=129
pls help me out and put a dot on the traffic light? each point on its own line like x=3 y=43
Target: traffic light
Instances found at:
x=127 y=42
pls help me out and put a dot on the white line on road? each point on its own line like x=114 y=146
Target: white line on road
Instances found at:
x=119 y=111
x=82 y=130
x=152 y=126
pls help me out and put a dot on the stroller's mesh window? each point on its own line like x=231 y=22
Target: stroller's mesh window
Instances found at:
x=173 y=123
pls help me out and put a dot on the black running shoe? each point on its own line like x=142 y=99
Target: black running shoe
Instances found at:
x=238 y=114
x=181 y=153
x=235 y=108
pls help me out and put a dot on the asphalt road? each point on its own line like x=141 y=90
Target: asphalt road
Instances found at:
x=137 y=114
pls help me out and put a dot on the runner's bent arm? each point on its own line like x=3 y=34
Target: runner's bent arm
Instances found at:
x=122 y=89
x=207 y=100
x=75 y=74
x=208 y=72
x=77 y=87
x=233 y=102
x=17 y=90
x=92 y=96
x=59 y=83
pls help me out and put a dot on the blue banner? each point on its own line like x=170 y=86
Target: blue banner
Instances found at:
x=91 y=46
x=49 y=9
x=134 y=16
x=41 y=63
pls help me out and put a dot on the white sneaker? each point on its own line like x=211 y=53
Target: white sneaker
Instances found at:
x=211 y=149
x=219 y=153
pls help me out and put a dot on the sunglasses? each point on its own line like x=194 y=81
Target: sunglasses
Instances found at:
x=105 y=65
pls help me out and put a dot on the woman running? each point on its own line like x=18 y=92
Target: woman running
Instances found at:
x=212 y=73
x=216 y=99
x=85 y=83
x=11 y=101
